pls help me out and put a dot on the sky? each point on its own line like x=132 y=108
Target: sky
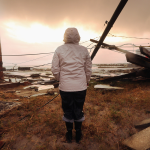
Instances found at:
x=38 y=26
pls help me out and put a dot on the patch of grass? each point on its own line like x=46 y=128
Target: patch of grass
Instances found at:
x=115 y=116
x=110 y=113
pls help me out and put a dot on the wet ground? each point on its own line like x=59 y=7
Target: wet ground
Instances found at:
x=32 y=83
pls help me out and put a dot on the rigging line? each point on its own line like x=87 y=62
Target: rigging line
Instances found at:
x=27 y=61
x=35 y=66
x=8 y=63
x=41 y=65
x=84 y=42
x=28 y=54
x=90 y=44
x=89 y=40
x=33 y=59
x=48 y=102
x=98 y=36
x=127 y=44
x=129 y=37
x=133 y=45
x=39 y=107
x=91 y=49
x=106 y=22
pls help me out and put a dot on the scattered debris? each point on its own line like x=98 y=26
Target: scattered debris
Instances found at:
x=15 y=99
x=50 y=92
x=35 y=75
x=135 y=59
x=44 y=87
x=38 y=94
x=11 y=91
x=139 y=141
x=35 y=79
x=107 y=87
x=7 y=106
x=29 y=87
x=56 y=85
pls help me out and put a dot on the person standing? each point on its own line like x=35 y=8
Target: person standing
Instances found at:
x=71 y=66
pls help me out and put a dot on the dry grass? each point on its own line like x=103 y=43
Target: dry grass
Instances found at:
x=110 y=118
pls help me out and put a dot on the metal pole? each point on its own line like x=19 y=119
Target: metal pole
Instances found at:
x=1 y=65
x=109 y=25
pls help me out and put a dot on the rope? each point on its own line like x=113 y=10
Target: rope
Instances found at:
x=39 y=107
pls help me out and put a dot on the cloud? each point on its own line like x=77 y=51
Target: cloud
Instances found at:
x=134 y=18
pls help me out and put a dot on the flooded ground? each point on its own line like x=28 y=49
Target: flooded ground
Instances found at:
x=110 y=71
x=44 y=74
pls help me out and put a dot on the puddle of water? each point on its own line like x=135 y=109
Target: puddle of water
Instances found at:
x=14 y=80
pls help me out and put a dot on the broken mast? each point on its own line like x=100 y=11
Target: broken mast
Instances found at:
x=109 y=25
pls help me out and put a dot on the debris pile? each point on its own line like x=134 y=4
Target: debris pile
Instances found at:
x=143 y=61
x=26 y=84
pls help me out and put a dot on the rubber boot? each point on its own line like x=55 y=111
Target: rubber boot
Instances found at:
x=78 y=131
x=69 y=127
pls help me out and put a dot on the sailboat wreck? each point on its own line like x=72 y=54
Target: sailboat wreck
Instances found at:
x=142 y=61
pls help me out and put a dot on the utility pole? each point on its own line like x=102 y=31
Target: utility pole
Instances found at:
x=109 y=25
x=1 y=64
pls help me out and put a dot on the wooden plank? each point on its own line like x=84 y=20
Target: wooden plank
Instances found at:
x=107 y=87
x=143 y=124
x=139 y=141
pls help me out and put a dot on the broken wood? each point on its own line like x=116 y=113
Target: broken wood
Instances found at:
x=139 y=141
x=107 y=87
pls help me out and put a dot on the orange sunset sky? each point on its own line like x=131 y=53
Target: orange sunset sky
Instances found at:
x=38 y=26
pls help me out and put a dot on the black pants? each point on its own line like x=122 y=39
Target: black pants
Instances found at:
x=72 y=105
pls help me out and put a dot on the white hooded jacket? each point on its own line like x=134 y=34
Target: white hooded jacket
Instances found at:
x=71 y=64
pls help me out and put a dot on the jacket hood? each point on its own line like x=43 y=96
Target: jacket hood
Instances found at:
x=71 y=36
